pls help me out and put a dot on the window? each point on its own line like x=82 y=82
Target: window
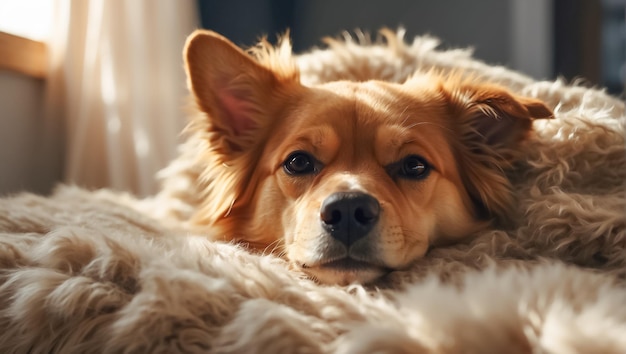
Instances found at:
x=24 y=25
x=26 y=18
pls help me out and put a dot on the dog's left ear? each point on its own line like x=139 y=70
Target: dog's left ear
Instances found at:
x=491 y=124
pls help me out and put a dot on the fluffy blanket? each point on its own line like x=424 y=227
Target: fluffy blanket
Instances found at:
x=100 y=271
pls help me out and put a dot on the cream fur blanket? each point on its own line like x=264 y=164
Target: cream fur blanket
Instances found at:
x=103 y=272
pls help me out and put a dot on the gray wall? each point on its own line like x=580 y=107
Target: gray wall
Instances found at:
x=514 y=33
x=30 y=157
x=484 y=25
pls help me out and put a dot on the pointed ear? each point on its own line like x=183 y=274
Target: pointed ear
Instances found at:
x=499 y=119
x=231 y=87
x=491 y=123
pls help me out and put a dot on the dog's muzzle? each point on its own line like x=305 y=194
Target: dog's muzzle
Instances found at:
x=349 y=216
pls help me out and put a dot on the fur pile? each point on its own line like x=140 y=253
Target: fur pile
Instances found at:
x=102 y=272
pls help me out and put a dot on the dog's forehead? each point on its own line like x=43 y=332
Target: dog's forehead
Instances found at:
x=362 y=109
x=376 y=102
x=378 y=117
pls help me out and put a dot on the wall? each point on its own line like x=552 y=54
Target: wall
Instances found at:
x=515 y=33
x=458 y=23
x=30 y=157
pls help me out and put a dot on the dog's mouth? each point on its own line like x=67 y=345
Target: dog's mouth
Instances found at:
x=347 y=264
x=345 y=271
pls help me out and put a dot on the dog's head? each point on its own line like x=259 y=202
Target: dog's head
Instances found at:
x=348 y=180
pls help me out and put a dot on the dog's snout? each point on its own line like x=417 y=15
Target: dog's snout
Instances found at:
x=349 y=216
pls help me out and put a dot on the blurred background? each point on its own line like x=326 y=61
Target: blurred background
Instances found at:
x=92 y=92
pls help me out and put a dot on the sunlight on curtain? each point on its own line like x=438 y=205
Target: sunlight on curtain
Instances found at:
x=117 y=80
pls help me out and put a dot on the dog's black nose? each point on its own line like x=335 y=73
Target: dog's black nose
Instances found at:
x=349 y=216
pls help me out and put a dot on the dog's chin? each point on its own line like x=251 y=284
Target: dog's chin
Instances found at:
x=345 y=271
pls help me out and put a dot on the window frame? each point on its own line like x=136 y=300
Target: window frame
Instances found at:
x=23 y=55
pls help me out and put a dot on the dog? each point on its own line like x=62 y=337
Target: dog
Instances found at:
x=349 y=180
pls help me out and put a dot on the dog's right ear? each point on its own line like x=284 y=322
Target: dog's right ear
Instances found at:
x=232 y=88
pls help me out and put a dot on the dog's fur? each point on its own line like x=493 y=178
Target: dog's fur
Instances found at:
x=358 y=140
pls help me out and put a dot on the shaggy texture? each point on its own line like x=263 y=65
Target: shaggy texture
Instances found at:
x=103 y=272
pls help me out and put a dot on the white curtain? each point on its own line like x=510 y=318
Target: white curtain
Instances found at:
x=117 y=81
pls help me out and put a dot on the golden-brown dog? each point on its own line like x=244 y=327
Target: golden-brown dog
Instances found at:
x=349 y=180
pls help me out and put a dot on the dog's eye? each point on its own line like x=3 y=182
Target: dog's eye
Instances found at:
x=414 y=167
x=299 y=163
